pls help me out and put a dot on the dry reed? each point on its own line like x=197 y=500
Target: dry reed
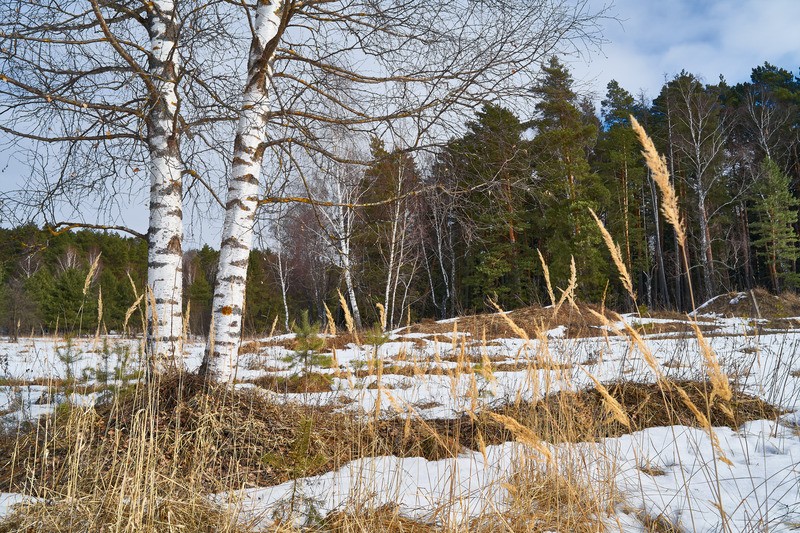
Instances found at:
x=616 y=256
x=546 y=272
x=660 y=175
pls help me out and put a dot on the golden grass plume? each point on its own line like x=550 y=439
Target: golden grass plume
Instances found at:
x=616 y=256
x=660 y=174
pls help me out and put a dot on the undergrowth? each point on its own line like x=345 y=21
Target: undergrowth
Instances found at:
x=147 y=457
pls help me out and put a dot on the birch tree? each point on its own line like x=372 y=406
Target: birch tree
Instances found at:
x=67 y=72
x=90 y=93
x=340 y=218
x=703 y=126
x=378 y=64
x=271 y=19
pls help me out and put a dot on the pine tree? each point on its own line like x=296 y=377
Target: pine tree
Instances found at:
x=775 y=209
x=567 y=187
x=619 y=164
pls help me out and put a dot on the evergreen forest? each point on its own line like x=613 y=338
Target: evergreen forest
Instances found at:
x=476 y=221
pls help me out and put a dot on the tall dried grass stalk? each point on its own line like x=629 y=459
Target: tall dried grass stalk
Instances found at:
x=719 y=380
x=90 y=276
x=382 y=315
x=348 y=318
x=611 y=403
x=569 y=292
x=130 y=311
x=99 y=318
x=521 y=333
x=546 y=272
x=644 y=349
x=331 y=321
x=703 y=421
x=187 y=315
x=660 y=174
x=616 y=256
x=523 y=434
x=486 y=363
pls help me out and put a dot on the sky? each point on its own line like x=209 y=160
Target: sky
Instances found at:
x=648 y=41
x=654 y=39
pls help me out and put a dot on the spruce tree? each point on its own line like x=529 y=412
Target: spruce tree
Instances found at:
x=493 y=161
x=619 y=164
x=776 y=213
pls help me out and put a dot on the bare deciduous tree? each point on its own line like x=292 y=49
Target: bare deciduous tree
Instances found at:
x=368 y=66
x=91 y=91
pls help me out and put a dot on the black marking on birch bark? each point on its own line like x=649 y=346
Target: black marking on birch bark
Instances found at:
x=231 y=279
x=177 y=212
x=174 y=245
x=239 y=147
x=236 y=201
x=239 y=161
x=260 y=151
x=234 y=324
x=261 y=58
x=172 y=143
x=167 y=251
x=219 y=353
x=242 y=263
x=170 y=301
x=174 y=187
x=233 y=242
x=247 y=178
x=158 y=204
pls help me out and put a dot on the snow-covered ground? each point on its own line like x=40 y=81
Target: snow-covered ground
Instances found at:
x=671 y=471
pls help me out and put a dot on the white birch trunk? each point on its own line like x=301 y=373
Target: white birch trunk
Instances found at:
x=706 y=258
x=441 y=222
x=237 y=233
x=284 y=288
x=351 y=293
x=344 y=227
x=393 y=250
x=165 y=235
x=400 y=263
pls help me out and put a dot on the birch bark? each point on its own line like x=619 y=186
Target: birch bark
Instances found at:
x=221 y=356
x=346 y=193
x=165 y=235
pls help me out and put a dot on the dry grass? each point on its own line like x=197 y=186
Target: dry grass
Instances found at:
x=531 y=319
x=143 y=460
x=296 y=383
x=85 y=515
x=770 y=306
x=544 y=500
x=368 y=520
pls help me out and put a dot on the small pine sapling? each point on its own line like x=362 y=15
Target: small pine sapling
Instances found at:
x=309 y=343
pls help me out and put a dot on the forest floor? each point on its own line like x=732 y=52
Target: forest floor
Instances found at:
x=575 y=419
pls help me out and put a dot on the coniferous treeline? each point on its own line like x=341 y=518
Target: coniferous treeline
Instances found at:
x=440 y=241
x=43 y=276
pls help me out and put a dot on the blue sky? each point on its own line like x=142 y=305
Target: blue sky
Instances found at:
x=651 y=40
x=658 y=38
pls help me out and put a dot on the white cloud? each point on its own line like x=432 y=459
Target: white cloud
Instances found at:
x=708 y=38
